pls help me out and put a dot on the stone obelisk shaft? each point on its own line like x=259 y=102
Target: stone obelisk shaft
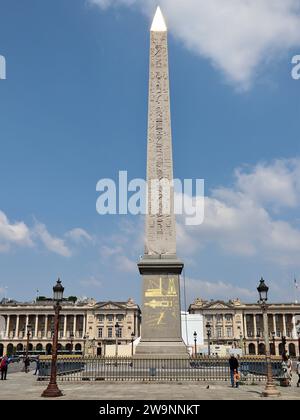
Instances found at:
x=160 y=268
x=160 y=223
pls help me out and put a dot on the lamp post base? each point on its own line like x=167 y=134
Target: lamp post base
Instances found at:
x=270 y=391
x=52 y=391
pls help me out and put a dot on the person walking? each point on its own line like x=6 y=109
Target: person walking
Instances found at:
x=26 y=364
x=286 y=369
x=37 y=367
x=234 y=369
x=3 y=366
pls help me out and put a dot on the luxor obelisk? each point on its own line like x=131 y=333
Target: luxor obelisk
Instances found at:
x=160 y=267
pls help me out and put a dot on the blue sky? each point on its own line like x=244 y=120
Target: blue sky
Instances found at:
x=73 y=110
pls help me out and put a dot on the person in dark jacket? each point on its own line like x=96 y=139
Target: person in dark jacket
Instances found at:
x=3 y=366
x=27 y=364
x=234 y=368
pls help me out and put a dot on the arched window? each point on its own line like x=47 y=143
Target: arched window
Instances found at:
x=261 y=348
x=292 y=350
x=272 y=349
x=19 y=348
x=1 y=349
x=68 y=348
x=39 y=348
x=280 y=348
x=78 y=348
x=251 y=348
x=48 y=348
x=10 y=349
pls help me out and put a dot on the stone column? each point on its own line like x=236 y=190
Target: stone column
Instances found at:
x=254 y=326
x=83 y=327
x=36 y=325
x=26 y=323
x=74 y=326
x=65 y=326
x=274 y=324
x=284 y=325
x=17 y=327
x=294 y=331
x=46 y=326
x=7 y=326
x=245 y=332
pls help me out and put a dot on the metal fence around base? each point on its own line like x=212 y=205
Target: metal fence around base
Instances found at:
x=127 y=369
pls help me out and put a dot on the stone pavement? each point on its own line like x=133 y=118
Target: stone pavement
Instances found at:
x=22 y=386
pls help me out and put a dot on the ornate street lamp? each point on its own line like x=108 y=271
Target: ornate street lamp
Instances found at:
x=257 y=340
x=195 y=343
x=208 y=331
x=270 y=388
x=273 y=339
x=84 y=344
x=26 y=365
x=132 y=340
x=52 y=390
x=29 y=327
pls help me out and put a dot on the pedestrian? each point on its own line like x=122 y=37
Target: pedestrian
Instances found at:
x=37 y=367
x=3 y=366
x=26 y=364
x=234 y=371
x=298 y=371
x=286 y=367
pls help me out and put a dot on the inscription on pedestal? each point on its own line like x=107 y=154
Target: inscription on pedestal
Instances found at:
x=161 y=307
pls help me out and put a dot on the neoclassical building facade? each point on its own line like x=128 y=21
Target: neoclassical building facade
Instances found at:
x=240 y=325
x=85 y=327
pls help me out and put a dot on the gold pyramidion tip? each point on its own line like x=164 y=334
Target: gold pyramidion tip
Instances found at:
x=158 y=24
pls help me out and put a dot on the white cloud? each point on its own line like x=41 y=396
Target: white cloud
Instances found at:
x=16 y=233
x=123 y=263
x=241 y=221
x=237 y=36
x=52 y=243
x=217 y=290
x=79 y=236
x=91 y=282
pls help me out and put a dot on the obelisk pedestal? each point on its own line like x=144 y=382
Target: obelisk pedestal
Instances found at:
x=160 y=267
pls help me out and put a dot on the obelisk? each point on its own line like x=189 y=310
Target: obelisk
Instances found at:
x=159 y=267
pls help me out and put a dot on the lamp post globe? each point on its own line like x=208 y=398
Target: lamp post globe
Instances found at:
x=262 y=291
x=270 y=388
x=52 y=390
x=58 y=291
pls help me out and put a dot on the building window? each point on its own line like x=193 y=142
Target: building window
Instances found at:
x=219 y=318
x=100 y=317
x=119 y=332
x=120 y=317
x=229 y=331
x=110 y=317
x=208 y=318
x=228 y=317
x=219 y=332
x=109 y=332
x=100 y=332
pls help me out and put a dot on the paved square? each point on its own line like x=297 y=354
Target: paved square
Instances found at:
x=22 y=386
